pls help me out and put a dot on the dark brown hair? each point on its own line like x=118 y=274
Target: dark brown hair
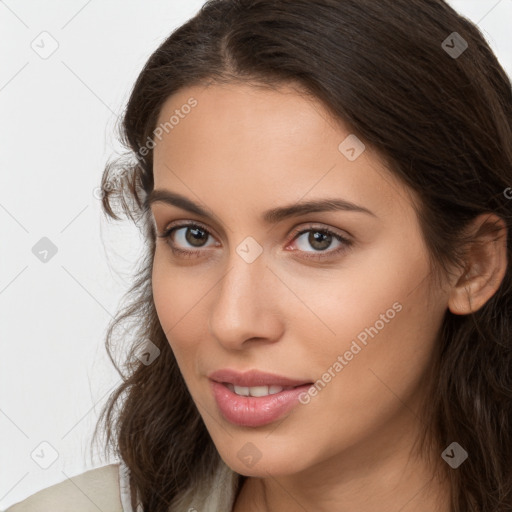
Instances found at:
x=441 y=122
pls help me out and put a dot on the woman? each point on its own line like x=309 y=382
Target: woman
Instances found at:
x=323 y=317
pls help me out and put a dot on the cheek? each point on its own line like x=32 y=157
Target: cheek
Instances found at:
x=383 y=365
x=379 y=324
x=164 y=289
x=182 y=297
x=175 y=301
x=175 y=293
x=365 y=297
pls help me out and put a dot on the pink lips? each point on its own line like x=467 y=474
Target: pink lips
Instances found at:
x=249 y=411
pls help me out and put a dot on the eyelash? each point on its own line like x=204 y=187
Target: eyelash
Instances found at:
x=346 y=243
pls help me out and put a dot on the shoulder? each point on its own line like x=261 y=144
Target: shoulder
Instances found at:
x=96 y=489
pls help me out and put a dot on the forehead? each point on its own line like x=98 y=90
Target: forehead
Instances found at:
x=279 y=145
x=248 y=115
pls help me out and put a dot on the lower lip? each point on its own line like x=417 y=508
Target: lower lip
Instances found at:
x=250 y=411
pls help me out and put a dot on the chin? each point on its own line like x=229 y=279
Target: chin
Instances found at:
x=258 y=456
x=262 y=469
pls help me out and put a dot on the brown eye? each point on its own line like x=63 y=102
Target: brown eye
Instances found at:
x=195 y=236
x=320 y=240
x=182 y=238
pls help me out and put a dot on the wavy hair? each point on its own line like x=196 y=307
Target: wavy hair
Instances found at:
x=442 y=122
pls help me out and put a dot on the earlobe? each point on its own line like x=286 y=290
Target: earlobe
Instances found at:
x=486 y=266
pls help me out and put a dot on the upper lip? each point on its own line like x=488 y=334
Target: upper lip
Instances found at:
x=253 y=378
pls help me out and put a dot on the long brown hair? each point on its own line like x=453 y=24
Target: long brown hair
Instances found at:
x=439 y=113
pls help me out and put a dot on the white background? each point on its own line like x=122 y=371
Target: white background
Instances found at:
x=58 y=120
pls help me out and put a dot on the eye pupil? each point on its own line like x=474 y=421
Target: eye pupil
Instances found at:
x=319 y=236
x=196 y=235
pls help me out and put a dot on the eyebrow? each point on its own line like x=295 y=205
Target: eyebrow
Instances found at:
x=271 y=216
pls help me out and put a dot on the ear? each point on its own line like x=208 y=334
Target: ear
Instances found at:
x=485 y=265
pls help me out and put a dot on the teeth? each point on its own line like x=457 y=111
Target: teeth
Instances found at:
x=242 y=391
x=257 y=391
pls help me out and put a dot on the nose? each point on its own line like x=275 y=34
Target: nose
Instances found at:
x=245 y=307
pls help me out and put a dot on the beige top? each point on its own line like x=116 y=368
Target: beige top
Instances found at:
x=107 y=489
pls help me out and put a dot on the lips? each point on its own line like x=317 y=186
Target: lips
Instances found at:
x=254 y=378
x=255 y=398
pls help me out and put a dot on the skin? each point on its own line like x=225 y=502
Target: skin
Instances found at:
x=243 y=150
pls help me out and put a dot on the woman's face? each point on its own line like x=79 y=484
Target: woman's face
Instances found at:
x=348 y=319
